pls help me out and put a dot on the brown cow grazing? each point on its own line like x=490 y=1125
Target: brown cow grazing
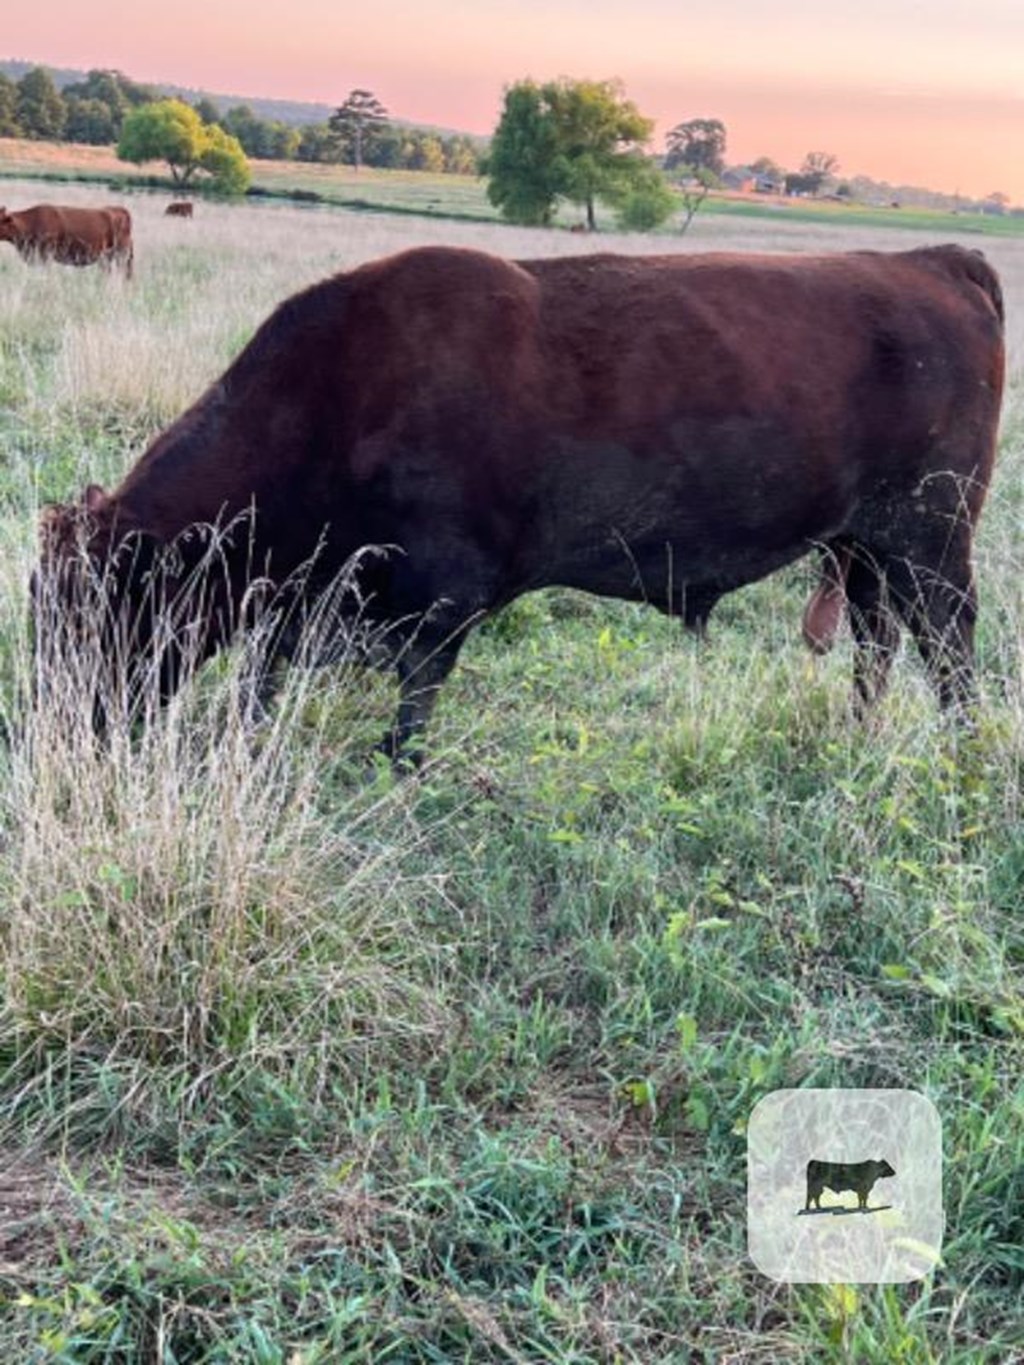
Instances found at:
x=181 y=208
x=663 y=429
x=71 y=236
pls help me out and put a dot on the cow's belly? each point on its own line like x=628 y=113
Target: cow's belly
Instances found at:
x=727 y=505
x=666 y=572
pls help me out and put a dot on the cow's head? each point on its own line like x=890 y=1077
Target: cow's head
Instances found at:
x=81 y=596
x=118 y=618
x=7 y=226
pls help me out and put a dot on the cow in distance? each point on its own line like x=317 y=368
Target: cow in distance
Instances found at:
x=71 y=236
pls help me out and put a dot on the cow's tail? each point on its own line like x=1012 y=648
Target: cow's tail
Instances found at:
x=982 y=274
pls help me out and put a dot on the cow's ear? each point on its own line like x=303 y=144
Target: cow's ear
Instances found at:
x=55 y=520
x=94 y=499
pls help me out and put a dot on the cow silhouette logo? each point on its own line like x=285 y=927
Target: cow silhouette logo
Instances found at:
x=838 y=1176
x=844 y=1186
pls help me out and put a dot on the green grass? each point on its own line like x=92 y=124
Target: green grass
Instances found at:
x=843 y=216
x=297 y=1067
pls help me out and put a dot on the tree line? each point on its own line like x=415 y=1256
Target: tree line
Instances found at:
x=94 y=111
x=89 y=111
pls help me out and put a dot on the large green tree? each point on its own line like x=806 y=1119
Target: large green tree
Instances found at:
x=524 y=166
x=40 y=108
x=355 y=124
x=601 y=135
x=171 y=131
x=578 y=140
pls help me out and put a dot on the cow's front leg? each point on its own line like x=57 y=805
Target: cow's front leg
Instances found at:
x=422 y=669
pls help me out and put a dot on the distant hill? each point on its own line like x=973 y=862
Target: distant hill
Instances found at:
x=295 y=113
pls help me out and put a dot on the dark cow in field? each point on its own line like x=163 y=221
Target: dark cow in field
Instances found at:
x=70 y=236
x=180 y=208
x=858 y=1176
x=661 y=429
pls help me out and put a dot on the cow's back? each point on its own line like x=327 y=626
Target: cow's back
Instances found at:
x=746 y=405
x=720 y=411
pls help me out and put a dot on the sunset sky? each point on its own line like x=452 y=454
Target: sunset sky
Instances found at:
x=921 y=92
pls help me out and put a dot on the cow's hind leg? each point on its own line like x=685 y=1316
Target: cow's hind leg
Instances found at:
x=936 y=598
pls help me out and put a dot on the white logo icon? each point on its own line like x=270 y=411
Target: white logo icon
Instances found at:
x=844 y=1186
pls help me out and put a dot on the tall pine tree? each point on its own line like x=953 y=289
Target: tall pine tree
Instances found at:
x=355 y=123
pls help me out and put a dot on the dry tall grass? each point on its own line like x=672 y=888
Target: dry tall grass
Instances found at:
x=196 y=892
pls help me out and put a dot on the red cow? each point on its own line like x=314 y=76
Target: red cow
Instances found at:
x=181 y=208
x=663 y=429
x=71 y=236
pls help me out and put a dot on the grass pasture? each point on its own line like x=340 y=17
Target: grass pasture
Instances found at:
x=296 y=1067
